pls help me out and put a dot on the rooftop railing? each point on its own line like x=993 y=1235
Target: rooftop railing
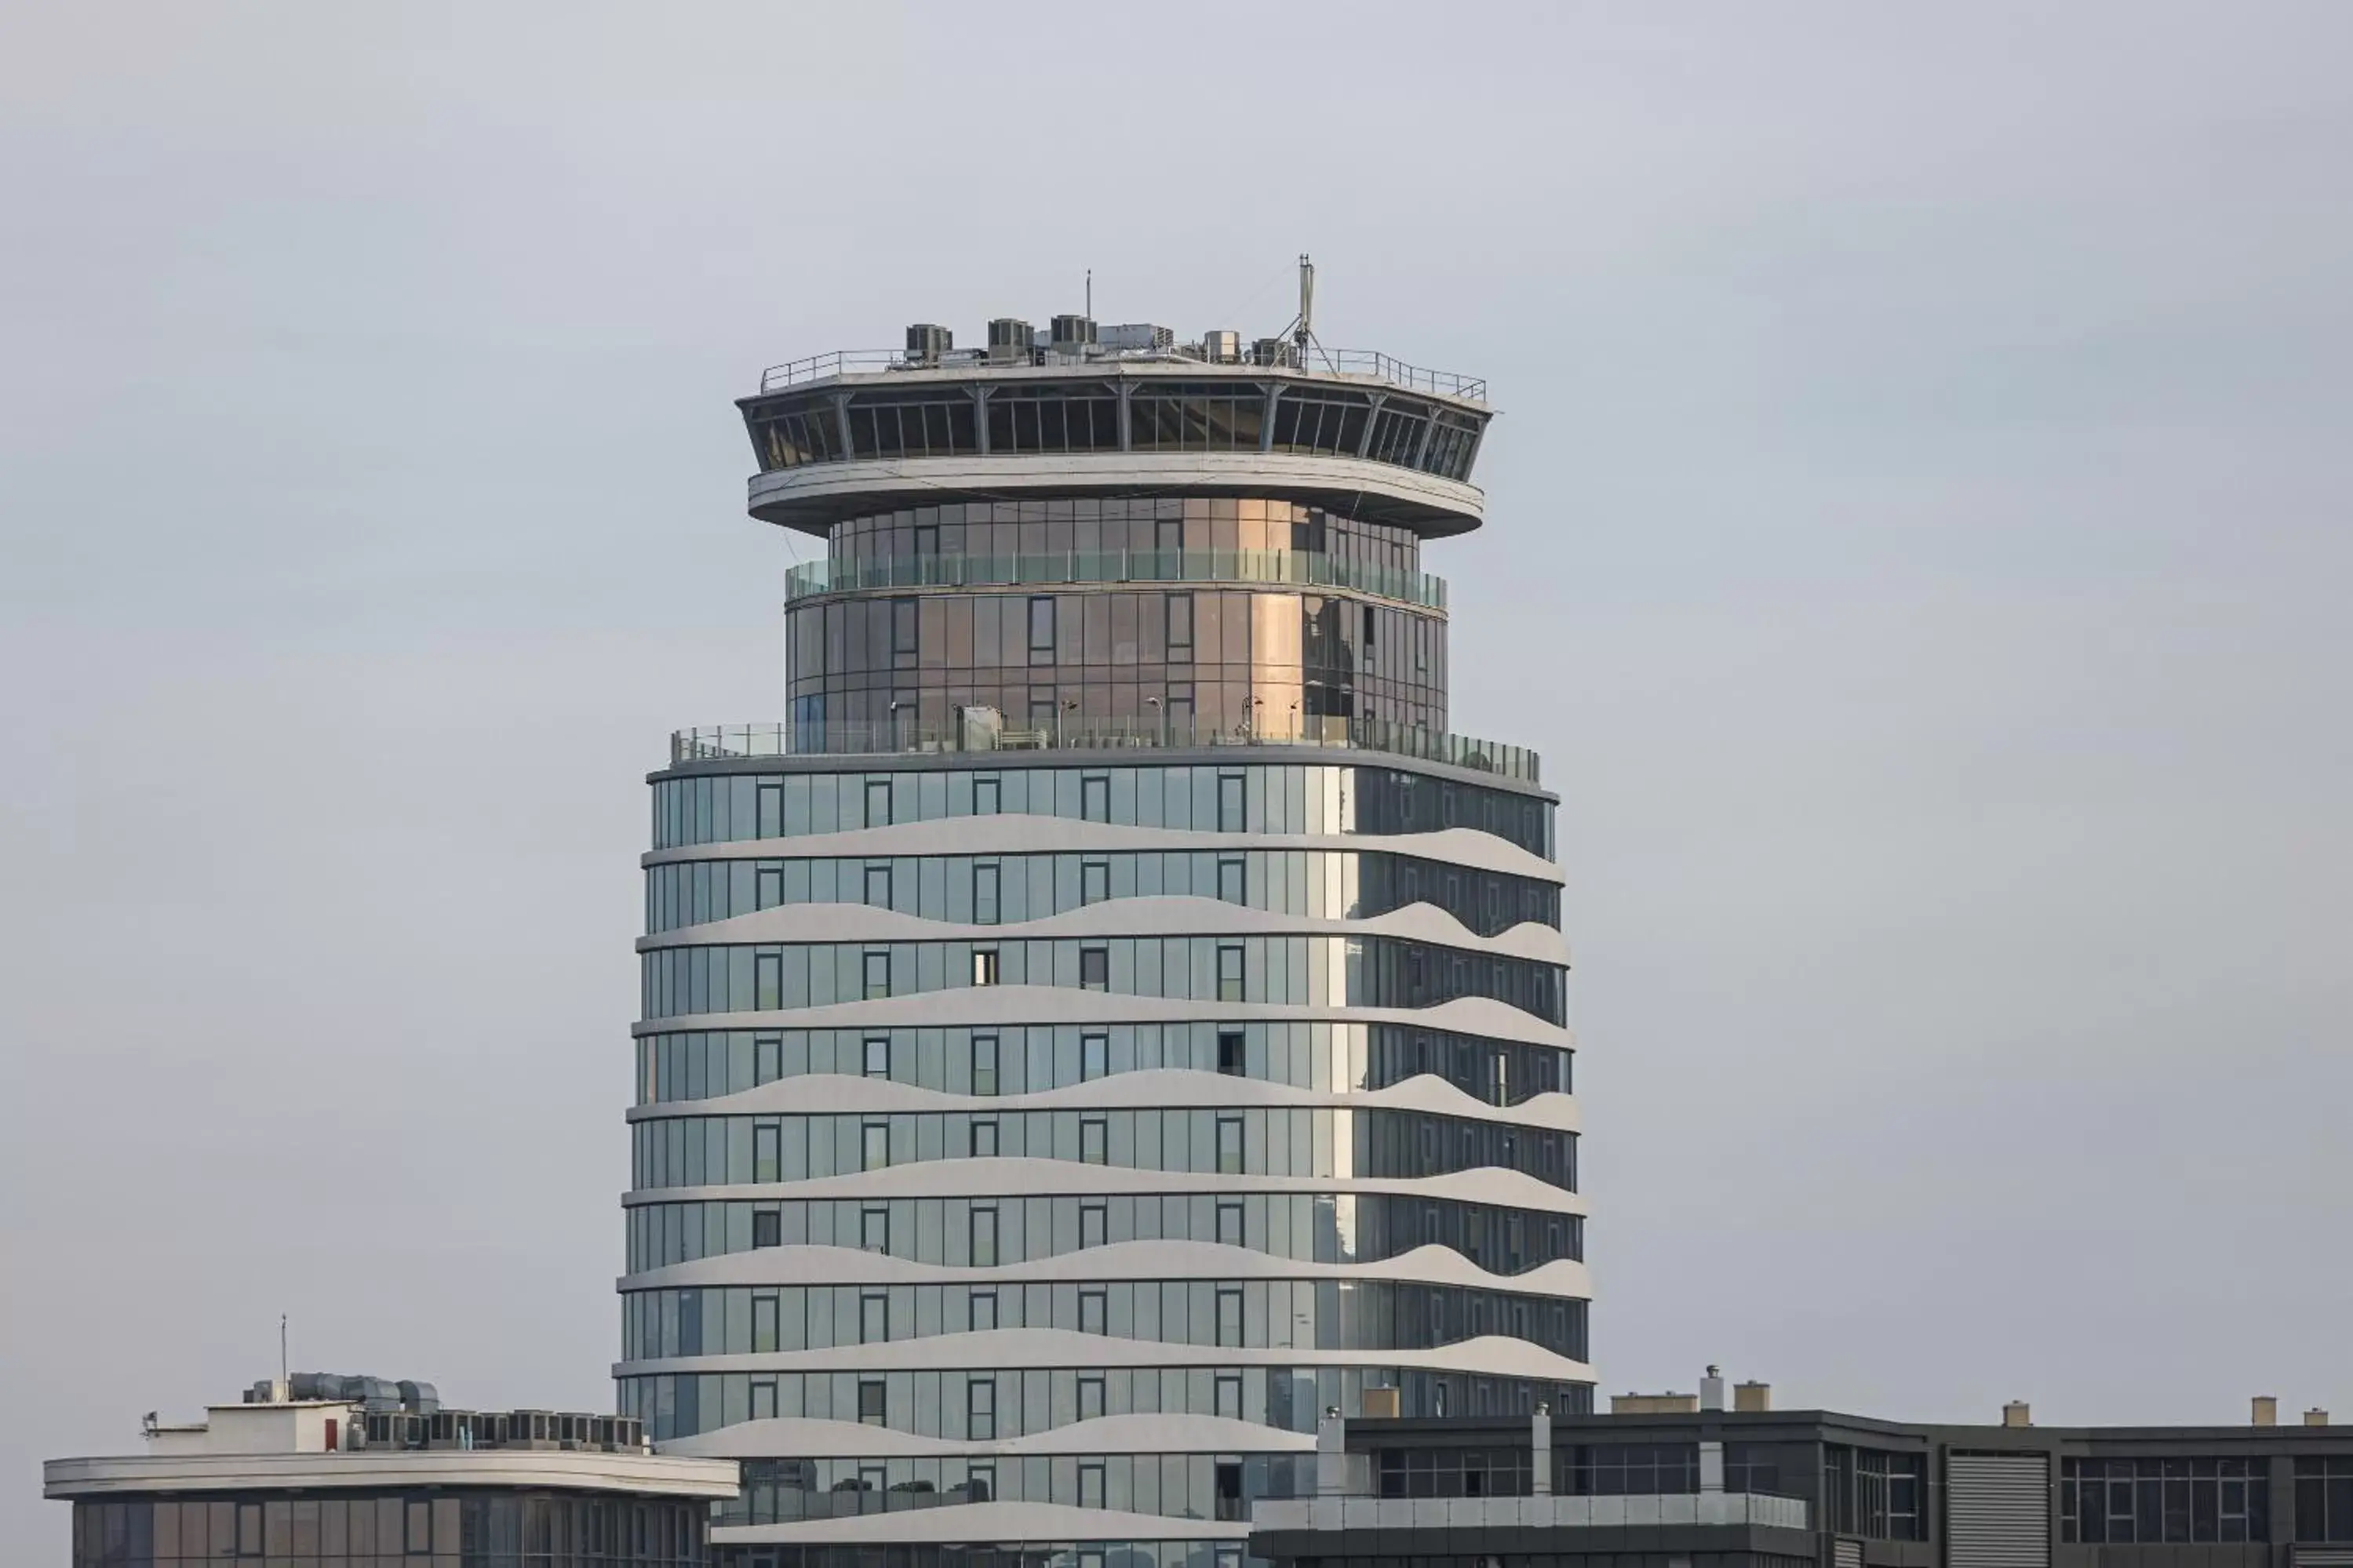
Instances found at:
x=1302 y=567
x=981 y=730
x=1542 y=1512
x=1312 y=359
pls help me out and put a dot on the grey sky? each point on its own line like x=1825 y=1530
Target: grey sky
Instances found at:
x=1919 y=547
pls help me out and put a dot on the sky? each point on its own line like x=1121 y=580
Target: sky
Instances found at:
x=1919 y=545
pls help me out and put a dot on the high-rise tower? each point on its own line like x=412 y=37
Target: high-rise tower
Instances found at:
x=1112 y=1020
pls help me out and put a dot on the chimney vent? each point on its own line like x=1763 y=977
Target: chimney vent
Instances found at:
x=1752 y=1396
x=2316 y=1416
x=1710 y=1390
x=2017 y=1414
x=2266 y=1411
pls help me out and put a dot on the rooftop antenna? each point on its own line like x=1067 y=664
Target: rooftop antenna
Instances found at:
x=1306 y=332
x=1090 y=293
x=284 y=1379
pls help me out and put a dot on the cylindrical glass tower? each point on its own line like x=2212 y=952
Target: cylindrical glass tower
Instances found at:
x=1112 y=1020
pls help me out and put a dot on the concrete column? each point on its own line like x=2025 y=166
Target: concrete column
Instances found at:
x=1540 y=1450
x=1332 y=1454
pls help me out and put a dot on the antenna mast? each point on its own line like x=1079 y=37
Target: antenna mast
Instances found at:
x=1305 y=333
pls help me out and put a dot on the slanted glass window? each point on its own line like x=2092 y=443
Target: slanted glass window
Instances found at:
x=1331 y=424
x=913 y=425
x=1398 y=430
x=1225 y=416
x=1077 y=418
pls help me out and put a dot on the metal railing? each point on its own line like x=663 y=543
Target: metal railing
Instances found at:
x=1368 y=363
x=983 y=730
x=1302 y=567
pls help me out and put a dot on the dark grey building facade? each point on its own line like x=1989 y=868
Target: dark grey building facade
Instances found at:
x=1758 y=1488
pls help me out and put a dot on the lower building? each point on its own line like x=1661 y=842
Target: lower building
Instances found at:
x=320 y=1472
x=1679 y=1482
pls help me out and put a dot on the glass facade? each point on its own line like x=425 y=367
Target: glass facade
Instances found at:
x=1112 y=651
x=1122 y=780
x=419 y=1529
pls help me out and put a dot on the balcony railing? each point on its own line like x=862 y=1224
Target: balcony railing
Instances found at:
x=1302 y=567
x=978 y=730
x=1369 y=362
x=1545 y=1511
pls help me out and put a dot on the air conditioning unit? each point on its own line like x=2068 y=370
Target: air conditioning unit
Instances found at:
x=927 y=342
x=1011 y=341
x=1139 y=337
x=1221 y=347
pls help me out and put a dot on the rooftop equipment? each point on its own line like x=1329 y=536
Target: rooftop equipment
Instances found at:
x=927 y=342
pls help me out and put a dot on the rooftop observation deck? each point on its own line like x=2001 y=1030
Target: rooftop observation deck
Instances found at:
x=1122 y=410
x=982 y=735
x=1352 y=364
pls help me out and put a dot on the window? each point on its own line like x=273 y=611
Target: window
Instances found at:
x=1095 y=797
x=1230 y=815
x=1229 y=1145
x=984 y=1138
x=1094 y=1140
x=981 y=1486
x=878 y=803
x=1229 y=1223
x=878 y=1056
x=902 y=633
x=984 y=1238
x=1229 y=1396
x=767 y=1227
x=980 y=1398
x=1094 y=1056
x=874 y=1228
x=984 y=1060
x=1180 y=629
x=877 y=886
x=764 y=1324
x=983 y=968
x=1090 y=1405
x=1095 y=881
x=2125 y=1502
x=1229 y=1317
x=765 y=1138
x=875 y=1145
x=1095 y=1225
x=1230 y=971
x=2324 y=1498
x=1094 y=968
x=1090 y=1472
x=1630 y=1470
x=873 y=1318
x=873 y=1407
x=878 y=973
x=984 y=1312
x=1230 y=1490
x=1229 y=1052
x=985 y=795
x=985 y=908
x=767 y=1059
x=1233 y=880
x=1041 y=629
x=1093 y=1314
x=768 y=981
